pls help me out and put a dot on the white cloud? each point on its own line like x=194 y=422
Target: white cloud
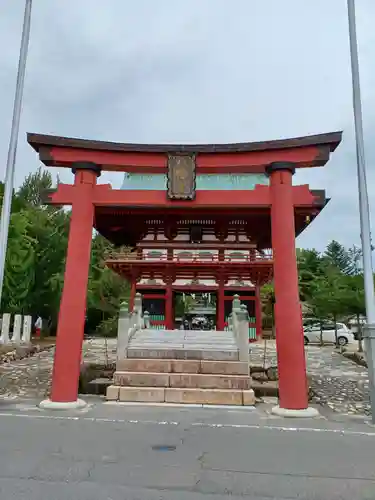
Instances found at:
x=196 y=71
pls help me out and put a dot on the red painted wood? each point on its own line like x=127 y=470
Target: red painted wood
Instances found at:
x=105 y=196
x=288 y=318
x=220 y=307
x=258 y=312
x=133 y=291
x=153 y=296
x=169 y=323
x=239 y=162
x=254 y=161
x=70 y=329
x=157 y=199
x=111 y=160
x=195 y=288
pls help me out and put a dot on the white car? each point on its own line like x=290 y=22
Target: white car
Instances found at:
x=312 y=334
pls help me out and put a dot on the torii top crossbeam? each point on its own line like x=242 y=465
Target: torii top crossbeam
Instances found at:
x=243 y=157
x=125 y=215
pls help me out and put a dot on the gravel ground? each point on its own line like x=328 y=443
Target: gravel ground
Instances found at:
x=30 y=378
x=336 y=381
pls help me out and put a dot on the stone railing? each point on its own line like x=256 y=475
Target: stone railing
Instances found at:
x=21 y=333
x=239 y=324
x=130 y=322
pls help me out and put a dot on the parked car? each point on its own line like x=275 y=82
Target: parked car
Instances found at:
x=312 y=334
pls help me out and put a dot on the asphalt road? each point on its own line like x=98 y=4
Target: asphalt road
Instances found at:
x=137 y=453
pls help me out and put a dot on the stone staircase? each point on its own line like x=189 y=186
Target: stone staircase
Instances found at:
x=178 y=366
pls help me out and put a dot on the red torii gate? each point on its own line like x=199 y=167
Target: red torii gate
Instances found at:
x=91 y=202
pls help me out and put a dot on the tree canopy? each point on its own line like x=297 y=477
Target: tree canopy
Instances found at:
x=35 y=262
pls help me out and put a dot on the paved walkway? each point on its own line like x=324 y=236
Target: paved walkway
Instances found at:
x=337 y=382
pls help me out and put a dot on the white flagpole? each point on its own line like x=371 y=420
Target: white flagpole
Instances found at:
x=364 y=211
x=12 y=151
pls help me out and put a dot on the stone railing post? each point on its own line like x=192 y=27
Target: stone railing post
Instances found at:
x=17 y=324
x=26 y=330
x=5 y=328
x=123 y=331
x=230 y=321
x=146 y=319
x=243 y=333
x=236 y=303
x=138 y=309
x=236 y=307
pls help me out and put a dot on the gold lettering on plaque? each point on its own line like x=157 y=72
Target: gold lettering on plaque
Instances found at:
x=181 y=177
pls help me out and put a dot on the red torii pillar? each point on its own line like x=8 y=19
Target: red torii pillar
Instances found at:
x=258 y=312
x=71 y=322
x=293 y=388
x=133 y=291
x=169 y=322
x=221 y=305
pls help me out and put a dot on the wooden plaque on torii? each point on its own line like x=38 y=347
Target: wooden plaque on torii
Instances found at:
x=181 y=180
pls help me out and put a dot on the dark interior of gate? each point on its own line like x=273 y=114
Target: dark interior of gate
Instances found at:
x=154 y=303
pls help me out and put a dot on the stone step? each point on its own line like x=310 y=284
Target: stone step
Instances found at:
x=161 y=353
x=181 y=380
x=181 y=396
x=183 y=366
x=177 y=340
x=184 y=347
x=178 y=336
x=183 y=340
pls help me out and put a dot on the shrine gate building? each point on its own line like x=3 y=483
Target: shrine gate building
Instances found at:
x=221 y=198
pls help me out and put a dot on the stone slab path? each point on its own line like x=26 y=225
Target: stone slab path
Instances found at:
x=336 y=381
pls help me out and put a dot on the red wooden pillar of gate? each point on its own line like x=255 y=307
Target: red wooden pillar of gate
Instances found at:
x=70 y=329
x=220 y=306
x=258 y=312
x=293 y=394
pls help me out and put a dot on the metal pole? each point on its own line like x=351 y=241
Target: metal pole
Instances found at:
x=12 y=151
x=364 y=211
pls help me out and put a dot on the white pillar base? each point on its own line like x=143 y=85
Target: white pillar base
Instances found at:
x=305 y=413
x=47 y=404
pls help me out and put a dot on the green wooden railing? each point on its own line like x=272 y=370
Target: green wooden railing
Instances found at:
x=157 y=321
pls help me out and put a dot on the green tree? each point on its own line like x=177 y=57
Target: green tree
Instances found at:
x=106 y=290
x=48 y=227
x=36 y=251
x=330 y=297
x=355 y=302
x=337 y=256
x=310 y=267
x=19 y=276
x=355 y=256
x=30 y=194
